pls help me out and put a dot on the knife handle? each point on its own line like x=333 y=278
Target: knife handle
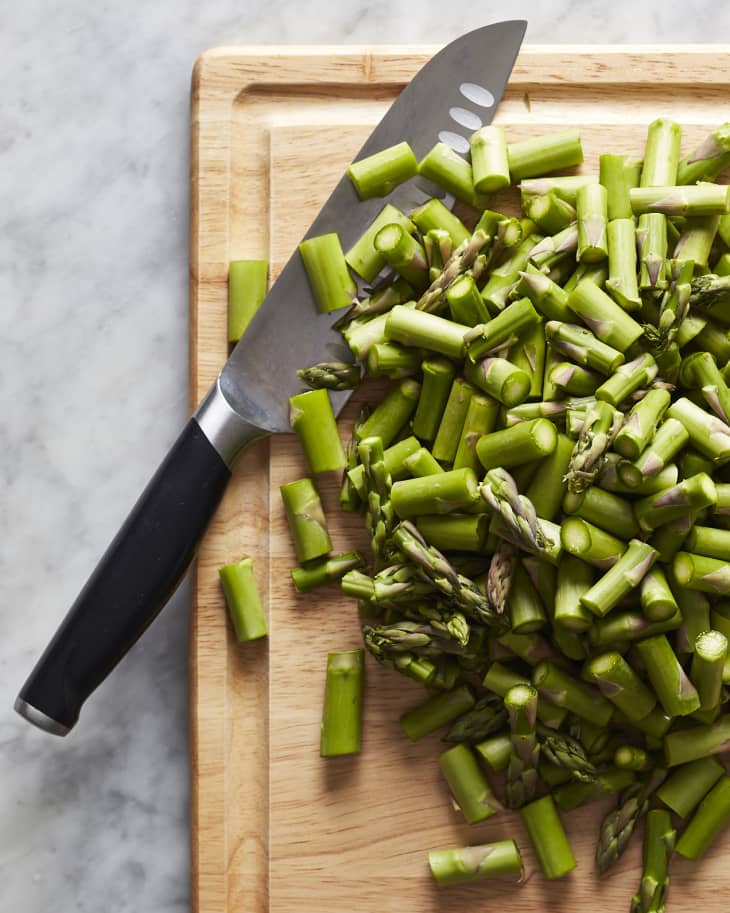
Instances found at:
x=137 y=574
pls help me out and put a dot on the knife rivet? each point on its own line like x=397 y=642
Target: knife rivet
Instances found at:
x=465 y=118
x=457 y=142
x=478 y=95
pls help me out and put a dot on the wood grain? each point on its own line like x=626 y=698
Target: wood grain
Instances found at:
x=274 y=828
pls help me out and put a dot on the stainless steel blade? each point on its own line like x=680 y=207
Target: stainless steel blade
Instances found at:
x=455 y=92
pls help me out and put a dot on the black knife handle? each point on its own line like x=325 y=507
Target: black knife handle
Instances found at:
x=134 y=579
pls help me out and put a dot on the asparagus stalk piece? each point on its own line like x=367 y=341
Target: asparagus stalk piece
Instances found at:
x=686 y=745
x=387 y=359
x=395 y=462
x=694 y=493
x=468 y=784
x=500 y=679
x=695 y=609
x=700 y=370
x=504 y=278
x=438 y=711
x=708 y=575
x=456 y=533
x=452 y=421
x=362 y=257
x=564 y=186
x=547 y=296
x=489 y=161
x=542 y=154
x=517 y=445
x=622 y=282
x=710 y=818
x=669 y=439
x=612 y=176
x=500 y=379
x=696 y=200
x=547 y=836
x=604 y=509
x=591 y=210
x=342 y=714
x=306 y=519
x=575 y=578
x=695 y=242
x=550 y=213
x=433 y=215
x=590 y=544
x=609 y=478
x=378 y=174
x=708 y=541
x=569 y=796
x=444 y=493
x=659 y=841
x=449 y=170
x=631 y=757
x=438 y=247
x=526 y=611
x=421 y=463
x=332 y=285
x=580 y=345
x=629 y=377
x=429 y=331
x=466 y=305
x=521 y=704
x=624 y=627
x=640 y=424
x=657 y=599
x=470 y=863
x=502 y=330
x=675 y=691
x=708 y=663
x=708 y=159
x=404 y=253
x=606 y=319
x=248 y=282
x=312 y=418
x=651 y=237
x=242 y=598
x=575 y=380
x=325 y=570
x=481 y=417
x=661 y=156
x=621 y=685
x=556 y=685
x=547 y=487
x=393 y=411
x=496 y=752
x=688 y=784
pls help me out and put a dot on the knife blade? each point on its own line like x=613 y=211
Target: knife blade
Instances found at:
x=460 y=85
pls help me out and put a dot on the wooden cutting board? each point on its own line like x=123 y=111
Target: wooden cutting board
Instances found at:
x=274 y=828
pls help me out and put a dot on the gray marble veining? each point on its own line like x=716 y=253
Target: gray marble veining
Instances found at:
x=93 y=310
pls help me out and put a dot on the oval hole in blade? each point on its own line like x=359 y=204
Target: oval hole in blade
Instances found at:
x=478 y=95
x=457 y=142
x=465 y=118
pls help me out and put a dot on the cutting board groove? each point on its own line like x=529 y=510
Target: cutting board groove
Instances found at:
x=274 y=828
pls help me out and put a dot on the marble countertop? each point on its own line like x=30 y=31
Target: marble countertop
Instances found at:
x=93 y=364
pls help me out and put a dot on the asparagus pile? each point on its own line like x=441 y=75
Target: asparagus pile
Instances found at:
x=546 y=485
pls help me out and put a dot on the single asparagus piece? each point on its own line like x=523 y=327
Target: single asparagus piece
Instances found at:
x=605 y=510
x=438 y=247
x=575 y=380
x=722 y=265
x=501 y=331
x=550 y=213
x=591 y=210
x=526 y=611
x=449 y=170
x=622 y=282
x=629 y=377
x=564 y=186
x=661 y=156
x=621 y=685
x=575 y=793
x=708 y=663
x=422 y=463
x=709 y=575
x=669 y=439
x=710 y=818
x=695 y=242
x=547 y=487
x=387 y=359
x=306 y=519
x=495 y=752
x=695 y=609
x=466 y=305
x=715 y=340
x=551 y=250
x=468 y=784
x=575 y=578
x=248 y=282
x=378 y=174
x=429 y=331
x=618 y=826
x=528 y=354
x=342 y=714
x=500 y=679
x=332 y=285
x=517 y=445
x=657 y=599
x=489 y=160
x=481 y=417
x=444 y=493
x=688 y=784
x=686 y=745
x=640 y=424
x=542 y=154
x=505 y=277
x=708 y=541
x=470 y=863
x=612 y=176
x=630 y=757
x=547 y=836
x=565 y=752
x=696 y=200
x=312 y=418
x=556 y=685
x=547 y=296
x=455 y=532
x=591 y=544
x=392 y=412
x=452 y=421
x=675 y=691
x=325 y=570
x=694 y=493
x=708 y=159
x=699 y=370
x=532 y=648
x=433 y=215
x=651 y=238
x=438 y=711
x=404 y=253
x=600 y=425
x=624 y=627
x=517 y=511
x=242 y=599
x=606 y=319
x=609 y=479
x=499 y=379
x=659 y=840
x=581 y=346
x=367 y=262
x=521 y=704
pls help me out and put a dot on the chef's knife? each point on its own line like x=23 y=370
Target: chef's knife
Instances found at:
x=455 y=92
